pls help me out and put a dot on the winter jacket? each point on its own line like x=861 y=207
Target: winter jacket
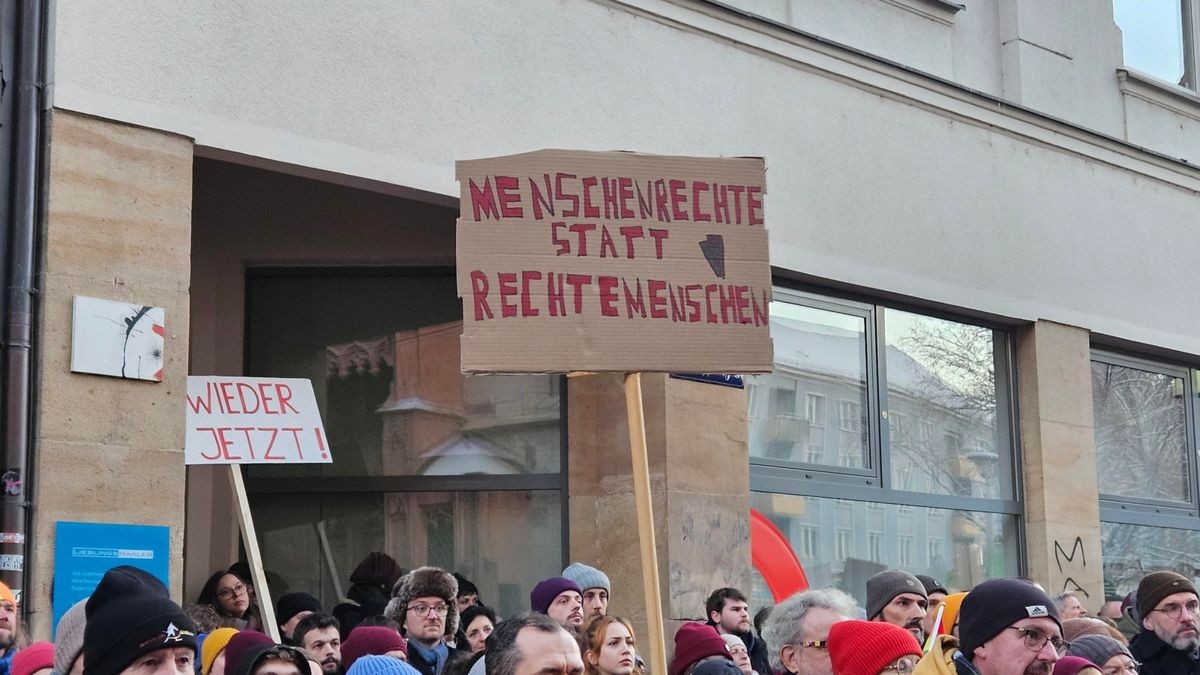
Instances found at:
x=940 y=659
x=1160 y=658
x=756 y=647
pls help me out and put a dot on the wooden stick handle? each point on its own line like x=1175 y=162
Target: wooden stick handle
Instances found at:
x=645 y=515
x=266 y=610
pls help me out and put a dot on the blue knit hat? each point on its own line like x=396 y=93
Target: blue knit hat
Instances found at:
x=587 y=577
x=373 y=664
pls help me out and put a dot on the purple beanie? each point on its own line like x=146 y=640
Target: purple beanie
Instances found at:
x=543 y=595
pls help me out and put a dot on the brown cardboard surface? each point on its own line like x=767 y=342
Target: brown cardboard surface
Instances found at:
x=608 y=261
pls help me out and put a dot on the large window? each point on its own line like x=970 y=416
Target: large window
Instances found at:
x=1159 y=38
x=429 y=466
x=1145 y=431
x=921 y=416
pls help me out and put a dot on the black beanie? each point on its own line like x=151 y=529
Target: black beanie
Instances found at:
x=129 y=615
x=291 y=604
x=997 y=604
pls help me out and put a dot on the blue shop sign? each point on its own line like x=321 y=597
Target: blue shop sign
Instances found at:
x=712 y=378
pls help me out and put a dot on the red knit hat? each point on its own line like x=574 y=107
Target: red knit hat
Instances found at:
x=865 y=647
x=33 y=658
x=694 y=641
x=374 y=640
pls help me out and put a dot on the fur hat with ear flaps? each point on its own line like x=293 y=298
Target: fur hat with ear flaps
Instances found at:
x=424 y=582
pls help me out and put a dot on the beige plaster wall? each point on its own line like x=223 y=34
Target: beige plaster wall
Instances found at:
x=699 y=480
x=1062 y=507
x=118 y=227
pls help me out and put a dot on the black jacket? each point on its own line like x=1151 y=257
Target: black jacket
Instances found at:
x=756 y=647
x=1160 y=658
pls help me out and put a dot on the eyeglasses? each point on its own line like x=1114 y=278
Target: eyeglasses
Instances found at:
x=1131 y=668
x=815 y=644
x=423 y=610
x=902 y=667
x=1036 y=640
x=227 y=593
x=1173 y=610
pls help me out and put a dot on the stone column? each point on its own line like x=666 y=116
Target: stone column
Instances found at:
x=700 y=485
x=118 y=227
x=1062 y=500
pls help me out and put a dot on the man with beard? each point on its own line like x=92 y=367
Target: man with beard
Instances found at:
x=559 y=598
x=424 y=604
x=935 y=592
x=596 y=588
x=8 y=627
x=797 y=628
x=898 y=598
x=1005 y=627
x=320 y=636
x=1169 y=611
x=729 y=613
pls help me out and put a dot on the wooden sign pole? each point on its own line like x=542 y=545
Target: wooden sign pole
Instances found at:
x=266 y=610
x=645 y=515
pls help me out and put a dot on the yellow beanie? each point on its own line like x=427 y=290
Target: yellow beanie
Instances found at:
x=7 y=594
x=213 y=645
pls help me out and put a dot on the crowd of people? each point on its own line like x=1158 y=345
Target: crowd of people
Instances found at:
x=429 y=621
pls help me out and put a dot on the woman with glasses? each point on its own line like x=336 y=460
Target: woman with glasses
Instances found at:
x=230 y=595
x=1111 y=656
x=872 y=648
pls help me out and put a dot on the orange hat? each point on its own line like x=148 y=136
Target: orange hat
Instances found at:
x=952 y=603
x=6 y=594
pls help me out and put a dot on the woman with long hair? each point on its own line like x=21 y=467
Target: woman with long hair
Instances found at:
x=609 y=647
x=232 y=597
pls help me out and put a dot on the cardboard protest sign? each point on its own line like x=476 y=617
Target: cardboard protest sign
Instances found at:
x=253 y=420
x=613 y=261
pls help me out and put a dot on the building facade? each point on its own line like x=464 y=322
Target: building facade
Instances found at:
x=985 y=329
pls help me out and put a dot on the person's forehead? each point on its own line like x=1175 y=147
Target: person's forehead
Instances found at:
x=569 y=594
x=937 y=596
x=542 y=647
x=595 y=591
x=228 y=581
x=908 y=597
x=327 y=633
x=1047 y=626
x=426 y=600
x=735 y=604
x=1181 y=598
x=277 y=667
x=817 y=622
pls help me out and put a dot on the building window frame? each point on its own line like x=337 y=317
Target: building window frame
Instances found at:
x=1130 y=510
x=1189 y=45
x=873 y=482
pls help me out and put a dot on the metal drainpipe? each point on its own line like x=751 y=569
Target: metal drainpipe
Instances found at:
x=26 y=191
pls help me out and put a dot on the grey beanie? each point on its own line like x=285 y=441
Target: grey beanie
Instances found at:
x=68 y=638
x=587 y=577
x=1097 y=648
x=886 y=585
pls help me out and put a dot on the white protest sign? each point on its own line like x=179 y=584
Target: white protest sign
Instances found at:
x=253 y=420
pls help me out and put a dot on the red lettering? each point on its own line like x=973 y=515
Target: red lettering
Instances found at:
x=479 y=293
x=507 y=283
x=482 y=199
x=658 y=304
x=678 y=198
x=634 y=303
x=625 y=189
x=590 y=210
x=196 y=404
x=608 y=188
x=582 y=229
x=571 y=198
x=630 y=233
x=761 y=317
x=564 y=245
x=645 y=203
x=693 y=305
x=660 y=200
x=242 y=388
x=726 y=303
x=226 y=399
x=320 y=442
x=270 y=444
x=741 y=303
x=608 y=295
x=577 y=282
x=606 y=243
x=720 y=203
x=737 y=203
x=509 y=189
x=698 y=215
x=216 y=441
x=527 y=308
x=249 y=443
x=284 y=393
x=754 y=205
x=658 y=236
x=709 y=315
x=541 y=200
x=225 y=444
x=554 y=296
x=264 y=394
x=676 y=295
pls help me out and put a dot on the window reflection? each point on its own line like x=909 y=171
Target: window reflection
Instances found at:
x=1152 y=35
x=1132 y=551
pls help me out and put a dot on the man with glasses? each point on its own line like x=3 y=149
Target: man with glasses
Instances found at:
x=1005 y=627
x=423 y=603
x=797 y=629
x=1170 y=637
